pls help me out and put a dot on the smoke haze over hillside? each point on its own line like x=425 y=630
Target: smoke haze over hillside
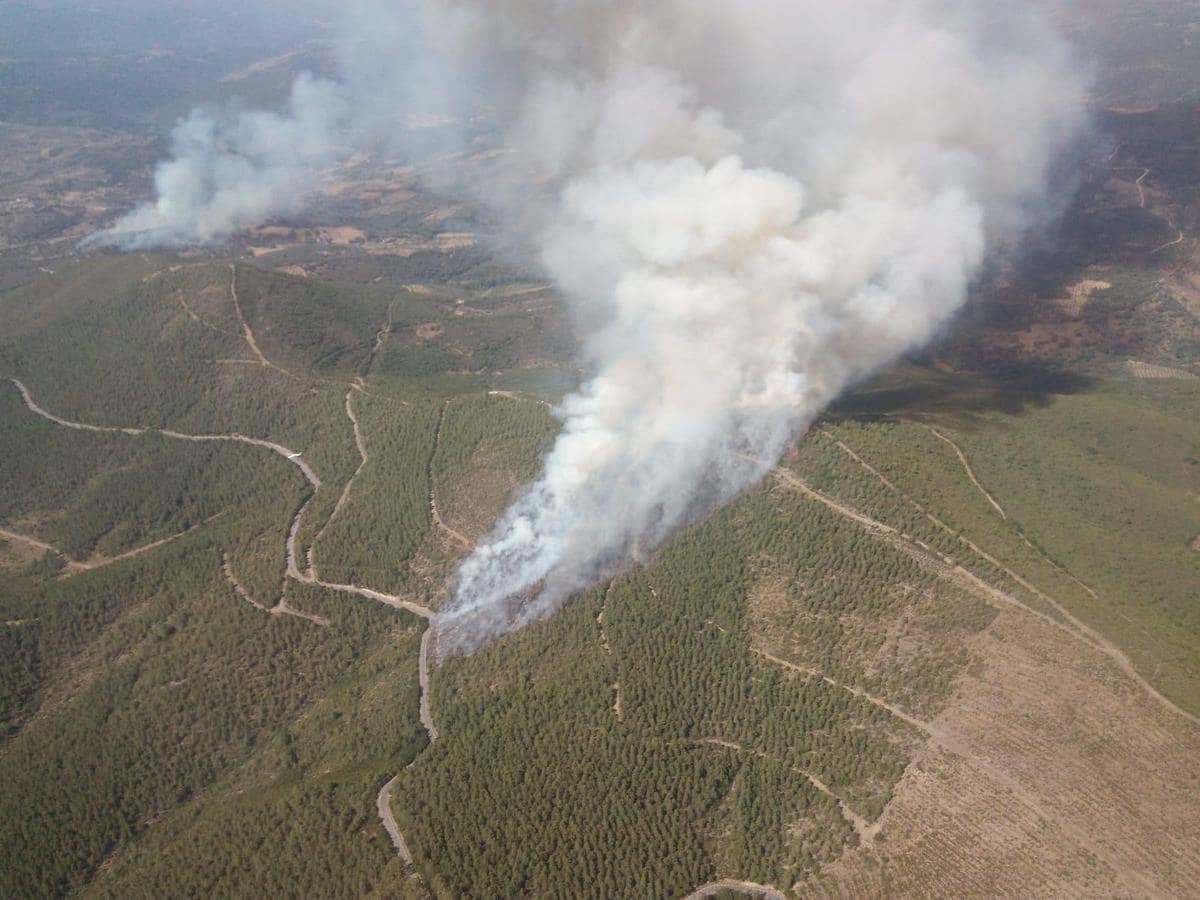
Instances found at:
x=755 y=203
x=759 y=203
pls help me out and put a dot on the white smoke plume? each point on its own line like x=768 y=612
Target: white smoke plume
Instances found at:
x=757 y=202
x=752 y=204
x=234 y=171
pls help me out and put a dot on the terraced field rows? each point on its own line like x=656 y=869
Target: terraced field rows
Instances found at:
x=1041 y=780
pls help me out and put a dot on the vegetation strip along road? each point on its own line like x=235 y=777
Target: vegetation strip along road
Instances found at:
x=749 y=888
x=865 y=831
x=293 y=570
x=246 y=331
x=948 y=568
x=72 y=564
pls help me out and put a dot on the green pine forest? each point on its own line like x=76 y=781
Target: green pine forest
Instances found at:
x=180 y=718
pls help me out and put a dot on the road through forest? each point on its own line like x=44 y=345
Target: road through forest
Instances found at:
x=1068 y=623
x=293 y=569
x=948 y=568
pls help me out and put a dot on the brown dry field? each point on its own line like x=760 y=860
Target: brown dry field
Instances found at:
x=1157 y=373
x=1048 y=774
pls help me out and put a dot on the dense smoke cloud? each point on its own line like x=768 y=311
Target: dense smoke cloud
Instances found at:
x=759 y=203
x=753 y=203
x=235 y=171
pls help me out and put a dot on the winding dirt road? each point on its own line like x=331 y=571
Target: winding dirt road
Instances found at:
x=361 y=443
x=423 y=680
x=937 y=562
x=967 y=542
x=200 y=320
x=433 y=506
x=99 y=561
x=247 y=333
x=1174 y=243
x=1141 y=190
x=293 y=572
x=963 y=539
x=949 y=740
x=865 y=830
x=962 y=458
x=896 y=711
x=618 y=706
x=281 y=607
x=948 y=568
x=358 y=385
x=287 y=453
x=383 y=804
x=72 y=564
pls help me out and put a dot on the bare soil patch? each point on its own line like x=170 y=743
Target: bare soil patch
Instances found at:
x=430 y=330
x=1151 y=372
x=1047 y=769
x=1080 y=295
x=17 y=555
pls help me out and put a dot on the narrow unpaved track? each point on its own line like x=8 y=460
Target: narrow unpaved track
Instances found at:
x=247 y=332
x=99 y=562
x=281 y=607
x=962 y=458
x=288 y=454
x=1142 y=203
x=75 y=566
x=1142 y=190
x=200 y=320
x=383 y=804
x=381 y=337
x=600 y=619
x=962 y=539
x=749 y=888
x=923 y=554
x=237 y=585
x=358 y=385
x=72 y=564
x=866 y=831
x=293 y=571
x=433 y=505
x=423 y=680
x=618 y=705
x=953 y=743
x=948 y=568
x=599 y=622
x=1174 y=243
x=361 y=443
x=896 y=711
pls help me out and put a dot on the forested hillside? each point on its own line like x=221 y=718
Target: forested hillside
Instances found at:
x=234 y=497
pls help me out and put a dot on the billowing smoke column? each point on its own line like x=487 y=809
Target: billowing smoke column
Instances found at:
x=231 y=172
x=751 y=203
x=757 y=202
